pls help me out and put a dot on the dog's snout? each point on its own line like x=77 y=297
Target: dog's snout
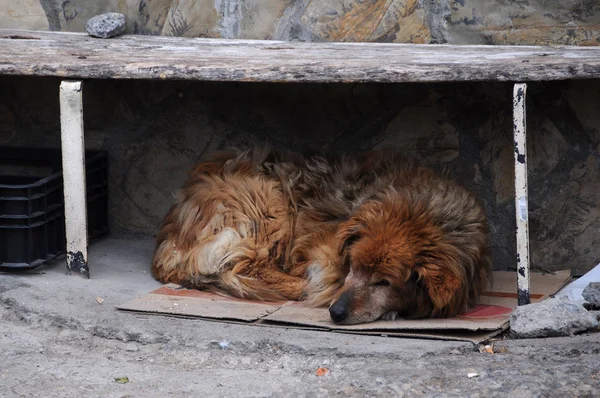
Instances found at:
x=339 y=310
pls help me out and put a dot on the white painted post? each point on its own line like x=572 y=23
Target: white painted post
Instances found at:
x=521 y=195
x=73 y=161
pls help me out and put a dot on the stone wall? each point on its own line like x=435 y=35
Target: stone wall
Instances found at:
x=543 y=22
x=155 y=131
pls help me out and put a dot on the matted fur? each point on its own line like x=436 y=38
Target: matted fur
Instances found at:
x=373 y=235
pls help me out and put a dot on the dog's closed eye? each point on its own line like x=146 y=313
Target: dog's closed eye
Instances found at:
x=414 y=277
x=348 y=242
x=382 y=282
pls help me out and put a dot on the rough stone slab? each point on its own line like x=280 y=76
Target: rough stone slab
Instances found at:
x=106 y=25
x=76 y=55
x=591 y=293
x=549 y=318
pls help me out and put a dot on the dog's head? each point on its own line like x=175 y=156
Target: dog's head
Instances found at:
x=400 y=265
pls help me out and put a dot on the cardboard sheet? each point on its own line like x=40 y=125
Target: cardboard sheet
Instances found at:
x=483 y=322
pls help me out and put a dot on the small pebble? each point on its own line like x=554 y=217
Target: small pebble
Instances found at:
x=131 y=347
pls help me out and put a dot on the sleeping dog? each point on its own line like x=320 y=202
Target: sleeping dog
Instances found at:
x=371 y=236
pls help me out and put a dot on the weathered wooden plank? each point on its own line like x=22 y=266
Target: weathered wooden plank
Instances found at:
x=76 y=55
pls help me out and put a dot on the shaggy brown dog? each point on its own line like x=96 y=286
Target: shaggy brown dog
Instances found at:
x=372 y=236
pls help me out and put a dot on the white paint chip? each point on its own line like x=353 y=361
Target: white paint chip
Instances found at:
x=523 y=208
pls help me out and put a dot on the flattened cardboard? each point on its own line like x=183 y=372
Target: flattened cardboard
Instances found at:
x=542 y=285
x=174 y=300
x=483 y=317
x=450 y=335
x=481 y=323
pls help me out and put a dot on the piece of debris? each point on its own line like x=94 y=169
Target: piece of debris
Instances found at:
x=19 y=37
x=122 y=380
x=471 y=375
x=322 y=372
x=224 y=344
x=591 y=293
x=489 y=348
x=131 y=347
x=551 y=317
x=106 y=25
x=574 y=290
x=99 y=300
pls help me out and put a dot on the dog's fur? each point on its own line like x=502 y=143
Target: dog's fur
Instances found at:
x=372 y=236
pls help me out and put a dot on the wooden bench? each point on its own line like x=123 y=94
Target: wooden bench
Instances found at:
x=75 y=57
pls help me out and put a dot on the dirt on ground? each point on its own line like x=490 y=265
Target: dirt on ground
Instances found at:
x=57 y=340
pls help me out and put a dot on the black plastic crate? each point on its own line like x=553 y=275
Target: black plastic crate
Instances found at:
x=32 y=220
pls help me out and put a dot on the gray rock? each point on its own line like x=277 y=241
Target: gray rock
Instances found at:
x=551 y=317
x=106 y=25
x=591 y=293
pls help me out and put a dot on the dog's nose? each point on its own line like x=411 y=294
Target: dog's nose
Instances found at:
x=338 y=312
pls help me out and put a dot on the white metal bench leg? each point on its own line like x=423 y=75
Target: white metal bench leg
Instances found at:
x=73 y=161
x=521 y=195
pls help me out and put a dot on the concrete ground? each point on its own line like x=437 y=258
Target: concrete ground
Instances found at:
x=56 y=340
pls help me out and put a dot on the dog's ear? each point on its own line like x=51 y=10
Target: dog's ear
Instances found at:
x=441 y=282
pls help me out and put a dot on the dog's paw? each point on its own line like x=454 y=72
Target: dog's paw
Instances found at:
x=390 y=316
